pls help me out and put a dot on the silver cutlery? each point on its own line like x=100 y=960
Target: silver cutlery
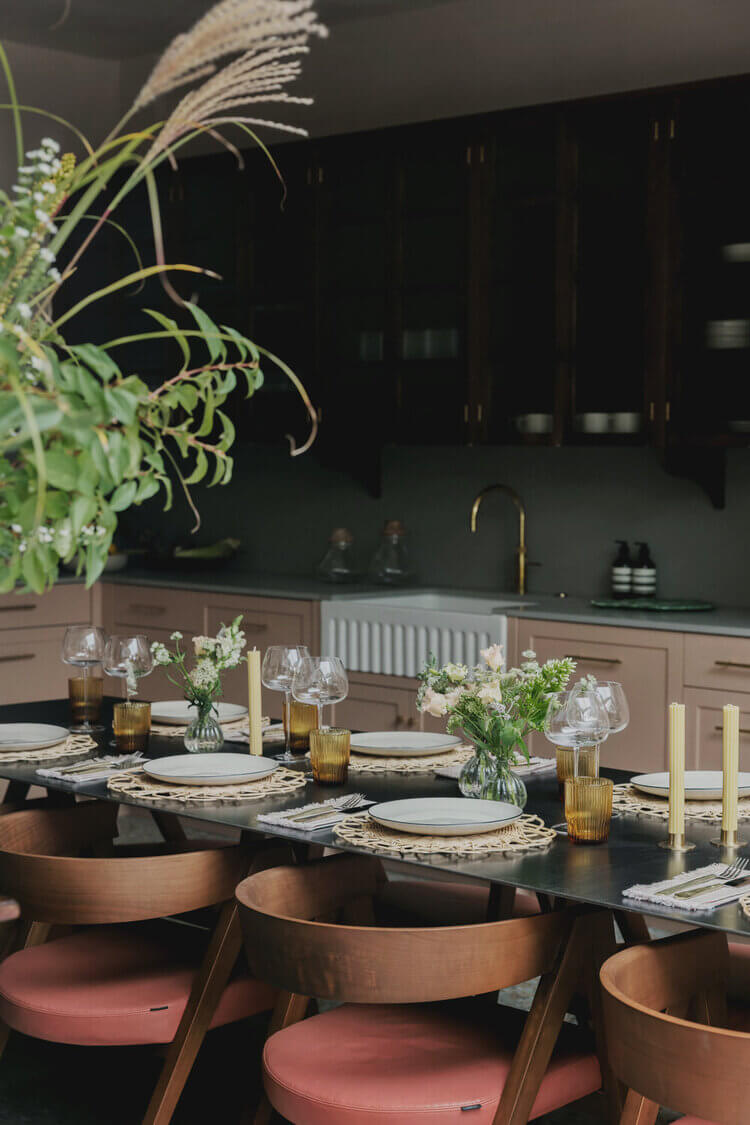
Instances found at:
x=336 y=806
x=730 y=872
x=738 y=881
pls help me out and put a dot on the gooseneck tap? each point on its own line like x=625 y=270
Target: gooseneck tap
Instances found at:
x=521 y=549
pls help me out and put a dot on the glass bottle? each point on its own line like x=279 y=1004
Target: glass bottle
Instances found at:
x=390 y=564
x=337 y=565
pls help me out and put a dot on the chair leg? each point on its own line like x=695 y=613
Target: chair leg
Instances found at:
x=542 y=1027
x=169 y=825
x=639 y=1110
x=501 y=901
x=632 y=927
x=210 y=982
x=603 y=945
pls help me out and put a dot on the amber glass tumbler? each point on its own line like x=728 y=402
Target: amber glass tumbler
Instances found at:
x=329 y=755
x=85 y=694
x=131 y=723
x=303 y=717
x=588 y=809
x=588 y=765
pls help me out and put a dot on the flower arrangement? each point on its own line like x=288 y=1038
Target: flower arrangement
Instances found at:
x=496 y=709
x=82 y=436
x=213 y=655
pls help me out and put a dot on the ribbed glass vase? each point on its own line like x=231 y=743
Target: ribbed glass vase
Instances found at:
x=489 y=777
x=204 y=735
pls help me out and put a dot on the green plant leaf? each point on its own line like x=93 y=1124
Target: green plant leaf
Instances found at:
x=123 y=496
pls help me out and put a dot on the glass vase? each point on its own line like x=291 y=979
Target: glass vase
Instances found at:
x=489 y=777
x=204 y=735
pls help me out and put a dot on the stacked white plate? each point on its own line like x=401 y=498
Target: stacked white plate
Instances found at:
x=700 y=785
x=403 y=744
x=30 y=736
x=209 y=769
x=179 y=713
x=444 y=816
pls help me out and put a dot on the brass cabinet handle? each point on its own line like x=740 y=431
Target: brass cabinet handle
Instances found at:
x=730 y=664
x=13 y=608
x=742 y=729
x=251 y=627
x=20 y=656
x=595 y=659
x=137 y=607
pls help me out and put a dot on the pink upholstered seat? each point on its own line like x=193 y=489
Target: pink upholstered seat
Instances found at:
x=442 y=903
x=115 y=985
x=402 y=1064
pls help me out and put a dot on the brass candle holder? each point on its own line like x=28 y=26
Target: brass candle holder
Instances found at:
x=730 y=840
x=676 y=842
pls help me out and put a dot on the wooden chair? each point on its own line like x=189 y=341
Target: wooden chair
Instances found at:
x=673 y=1040
x=132 y=975
x=406 y=1045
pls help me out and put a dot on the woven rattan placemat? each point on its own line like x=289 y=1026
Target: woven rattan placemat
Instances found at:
x=524 y=834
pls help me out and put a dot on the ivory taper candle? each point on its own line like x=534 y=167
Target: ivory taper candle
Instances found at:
x=676 y=770
x=731 y=766
x=255 y=704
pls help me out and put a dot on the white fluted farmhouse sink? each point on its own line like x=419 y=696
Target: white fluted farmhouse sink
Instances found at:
x=392 y=633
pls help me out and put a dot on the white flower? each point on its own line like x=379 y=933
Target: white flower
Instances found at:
x=49 y=187
x=4 y=252
x=160 y=653
x=39 y=364
x=493 y=657
x=24 y=310
x=490 y=692
x=16 y=528
x=456 y=673
x=176 y=636
x=201 y=645
x=204 y=675
x=21 y=189
x=54 y=274
x=434 y=703
x=48 y=142
x=529 y=654
x=25 y=169
x=22 y=232
x=46 y=254
x=44 y=168
x=452 y=697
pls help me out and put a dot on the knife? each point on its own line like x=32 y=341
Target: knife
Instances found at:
x=734 y=884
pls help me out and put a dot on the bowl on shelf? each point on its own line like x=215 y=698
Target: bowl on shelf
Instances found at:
x=626 y=422
x=592 y=422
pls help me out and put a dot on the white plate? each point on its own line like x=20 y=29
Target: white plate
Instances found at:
x=444 y=816
x=178 y=712
x=403 y=744
x=700 y=785
x=210 y=769
x=30 y=736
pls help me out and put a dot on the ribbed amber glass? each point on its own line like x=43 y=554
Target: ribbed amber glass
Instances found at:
x=131 y=723
x=85 y=694
x=588 y=765
x=588 y=809
x=329 y=755
x=303 y=717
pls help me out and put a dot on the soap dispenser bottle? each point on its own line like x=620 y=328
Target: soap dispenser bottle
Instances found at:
x=644 y=573
x=622 y=571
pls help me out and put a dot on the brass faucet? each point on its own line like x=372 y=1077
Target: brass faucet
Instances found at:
x=521 y=549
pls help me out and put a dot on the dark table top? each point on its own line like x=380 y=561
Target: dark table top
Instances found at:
x=594 y=874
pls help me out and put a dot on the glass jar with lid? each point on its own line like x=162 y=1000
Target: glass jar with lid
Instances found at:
x=390 y=564
x=337 y=565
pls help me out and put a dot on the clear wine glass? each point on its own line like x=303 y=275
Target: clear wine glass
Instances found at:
x=128 y=658
x=615 y=703
x=280 y=662
x=83 y=647
x=586 y=718
x=320 y=680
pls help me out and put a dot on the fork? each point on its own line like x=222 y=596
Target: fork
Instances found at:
x=337 y=805
x=731 y=872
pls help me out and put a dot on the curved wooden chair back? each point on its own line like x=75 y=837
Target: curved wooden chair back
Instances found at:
x=663 y=1057
x=292 y=940
x=41 y=866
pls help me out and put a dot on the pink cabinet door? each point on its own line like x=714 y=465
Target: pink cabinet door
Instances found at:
x=30 y=665
x=151 y=610
x=647 y=663
x=67 y=604
x=374 y=706
x=266 y=621
x=703 y=727
x=718 y=662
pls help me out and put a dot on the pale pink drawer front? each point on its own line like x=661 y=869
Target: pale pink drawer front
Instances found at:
x=704 y=725
x=30 y=665
x=145 y=609
x=62 y=605
x=717 y=662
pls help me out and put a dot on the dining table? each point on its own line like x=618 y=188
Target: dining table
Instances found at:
x=595 y=875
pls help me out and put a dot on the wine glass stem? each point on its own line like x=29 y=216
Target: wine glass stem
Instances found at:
x=287 y=721
x=320 y=716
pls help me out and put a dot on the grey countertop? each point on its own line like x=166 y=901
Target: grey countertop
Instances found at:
x=726 y=620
